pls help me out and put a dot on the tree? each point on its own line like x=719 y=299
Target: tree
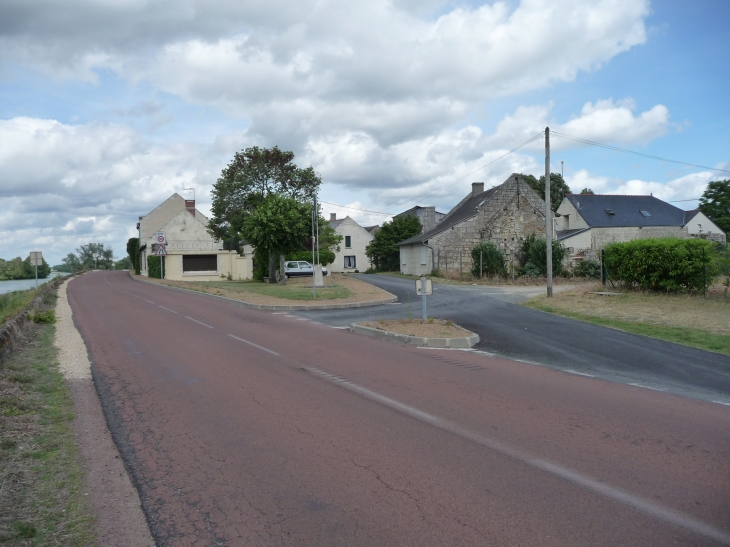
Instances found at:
x=534 y=256
x=254 y=175
x=491 y=259
x=587 y=191
x=124 y=263
x=558 y=188
x=29 y=269
x=71 y=263
x=133 y=253
x=279 y=224
x=104 y=261
x=383 y=250
x=715 y=203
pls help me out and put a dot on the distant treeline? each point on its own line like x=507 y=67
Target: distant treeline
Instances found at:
x=17 y=268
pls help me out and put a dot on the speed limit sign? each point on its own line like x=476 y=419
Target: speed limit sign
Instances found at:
x=161 y=238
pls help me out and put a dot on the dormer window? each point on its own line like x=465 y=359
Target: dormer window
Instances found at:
x=610 y=212
x=645 y=213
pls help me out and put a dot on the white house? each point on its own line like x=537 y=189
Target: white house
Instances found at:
x=355 y=238
x=192 y=253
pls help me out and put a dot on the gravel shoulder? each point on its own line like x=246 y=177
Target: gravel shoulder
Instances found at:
x=121 y=522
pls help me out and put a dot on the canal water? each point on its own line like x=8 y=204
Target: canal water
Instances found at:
x=24 y=284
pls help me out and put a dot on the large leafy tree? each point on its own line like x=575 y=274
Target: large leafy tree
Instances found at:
x=279 y=224
x=84 y=257
x=558 y=188
x=383 y=250
x=715 y=203
x=254 y=175
x=17 y=268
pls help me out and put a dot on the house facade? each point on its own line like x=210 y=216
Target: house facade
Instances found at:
x=587 y=223
x=355 y=238
x=192 y=253
x=504 y=215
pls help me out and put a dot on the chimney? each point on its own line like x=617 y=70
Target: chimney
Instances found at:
x=333 y=217
x=190 y=206
x=477 y=188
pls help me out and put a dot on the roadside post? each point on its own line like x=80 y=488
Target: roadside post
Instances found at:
x=424 y=287
x=96 y=262
x=36 y=258
x=162 y=253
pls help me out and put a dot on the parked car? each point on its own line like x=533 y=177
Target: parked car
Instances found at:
x=300 y=268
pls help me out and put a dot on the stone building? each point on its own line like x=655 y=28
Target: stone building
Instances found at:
x=504 y=215
x=351 y=257
x=428 y=216
x=587 y=223
x=192 y=253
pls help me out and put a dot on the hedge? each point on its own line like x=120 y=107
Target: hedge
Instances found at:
x=153 y=266
x=666 y=264
x=491 y=259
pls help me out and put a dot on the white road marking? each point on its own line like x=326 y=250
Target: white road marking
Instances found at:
x=720 y=403
x=284 y=313
x=305 y=319
x=569 y=371
x=198 y=322
x=155 y=303
x=596 y=486
x=315 y=323
x=340 y=328
x=646 y=387
x=252 y=344
x=168 y=309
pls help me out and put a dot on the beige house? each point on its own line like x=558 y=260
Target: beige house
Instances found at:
x=504 y=215
x=355 y=238
x=587 y=223
x=192 y=253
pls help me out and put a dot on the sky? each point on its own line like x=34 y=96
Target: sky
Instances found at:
x=107 y=107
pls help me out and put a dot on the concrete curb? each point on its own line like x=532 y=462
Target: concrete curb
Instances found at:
x=292 y=307
x=461 y=342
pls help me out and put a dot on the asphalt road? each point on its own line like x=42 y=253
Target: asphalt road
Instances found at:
x=245 y=427
x=508 y=330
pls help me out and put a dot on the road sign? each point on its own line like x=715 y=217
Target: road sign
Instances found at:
x=161 y=251
x=36 y=258
x=161 y=238
x=419 y=287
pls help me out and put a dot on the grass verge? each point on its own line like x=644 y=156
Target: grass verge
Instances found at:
x=42 y=498
x=11 y=303
x=293 y=290
x=687 y=336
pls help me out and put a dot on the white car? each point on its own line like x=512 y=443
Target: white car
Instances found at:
x=300 y=268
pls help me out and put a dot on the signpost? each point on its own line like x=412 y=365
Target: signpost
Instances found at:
x=424 y=287
x=36 y=258
x=160 y=238
x=162 y=253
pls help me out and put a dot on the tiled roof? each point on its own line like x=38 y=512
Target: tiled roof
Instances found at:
x=622 y=211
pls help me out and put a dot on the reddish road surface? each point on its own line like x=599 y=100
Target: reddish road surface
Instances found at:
x=244 y=427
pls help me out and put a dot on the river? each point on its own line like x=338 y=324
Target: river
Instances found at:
x=23 y=284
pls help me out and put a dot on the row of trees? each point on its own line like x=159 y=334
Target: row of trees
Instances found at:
x=17 y=268
x=263 y=198
x=84 y=259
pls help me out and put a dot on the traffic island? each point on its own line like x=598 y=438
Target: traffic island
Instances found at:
x=433 y=333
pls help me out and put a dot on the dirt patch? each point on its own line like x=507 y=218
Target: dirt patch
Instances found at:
x=436 y=328
x=708 y=314
x=360 y=291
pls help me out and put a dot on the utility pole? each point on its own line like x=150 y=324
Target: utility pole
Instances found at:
x=314 y=217
x=548 y=217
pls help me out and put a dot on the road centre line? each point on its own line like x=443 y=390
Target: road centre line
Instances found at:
x=720 y=403
x=596 y=486
x=198 y=322
x=150 y=301
x=168 y=309
x=569 y=371
x=252 y=344
x=645 y=387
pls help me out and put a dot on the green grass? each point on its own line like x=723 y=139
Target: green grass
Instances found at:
x=697 y=338
x=12 y=302
x=42 y=498
x=290 y=292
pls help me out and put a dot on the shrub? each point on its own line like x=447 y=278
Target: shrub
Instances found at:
x=154 y=269
x=43 y=317
x=588 y=268
x=491 y=258
x=535 y=254
x=666 y=264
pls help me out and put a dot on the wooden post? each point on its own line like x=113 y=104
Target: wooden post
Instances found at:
x=461 y=270
x=548 y=217
x=481 y=267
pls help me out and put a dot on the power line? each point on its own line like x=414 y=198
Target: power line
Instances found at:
x=678 y=200
x=469 y=174
x=617 y=149
x=356 y=209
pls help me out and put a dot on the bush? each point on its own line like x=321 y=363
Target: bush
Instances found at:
x=534 y=251
x=154 y=268
x=491 y=258
x=588 y=268
x=666 y=264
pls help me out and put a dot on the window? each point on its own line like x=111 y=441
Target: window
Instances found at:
x=348 y=243
x=646 y=213
x=350 y=262
x=610 y=212
x=200 y=263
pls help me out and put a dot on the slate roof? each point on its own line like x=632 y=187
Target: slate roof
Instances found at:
x=562 y=234
x=689 y=215
x=626 y=211
x=336 y=223
x=466 y=210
